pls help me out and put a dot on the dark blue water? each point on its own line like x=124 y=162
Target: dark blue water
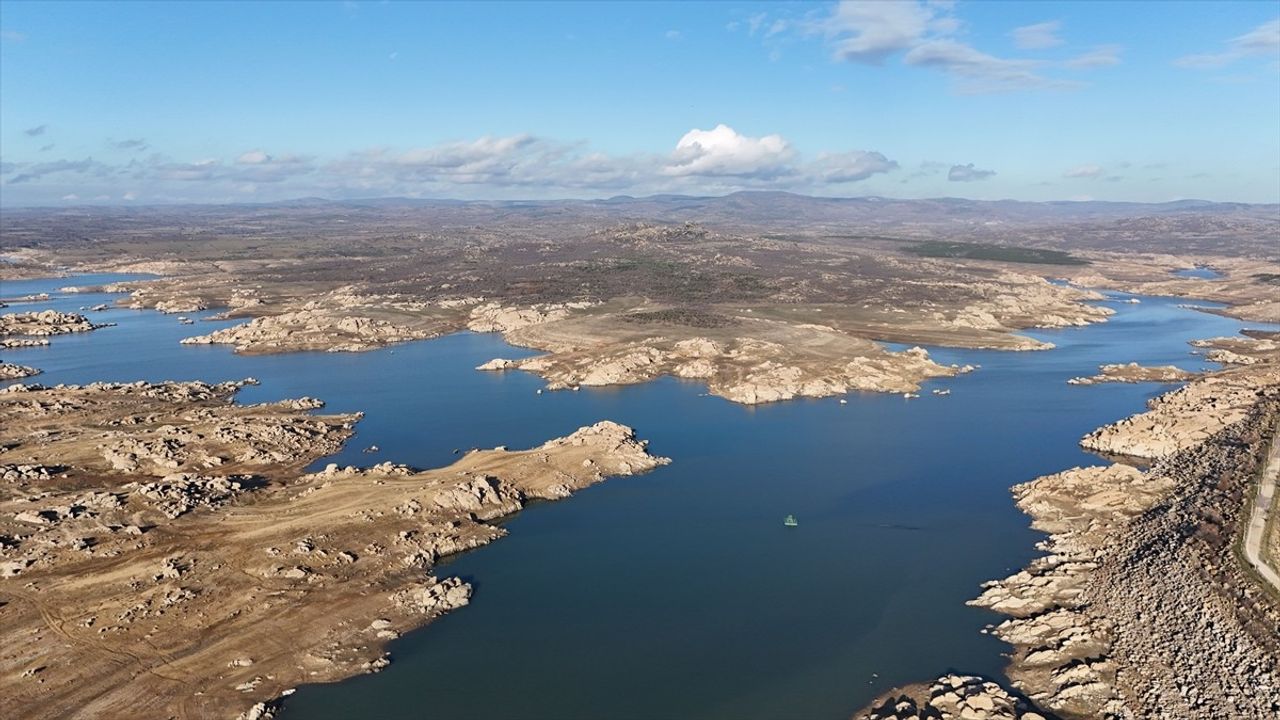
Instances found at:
x=679 y=592
x=1200 y=272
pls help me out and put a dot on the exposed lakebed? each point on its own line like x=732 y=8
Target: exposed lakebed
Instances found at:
x=680 y=592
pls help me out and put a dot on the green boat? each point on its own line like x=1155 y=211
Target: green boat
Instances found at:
x=790 y=521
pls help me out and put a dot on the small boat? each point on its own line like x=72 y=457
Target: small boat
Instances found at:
x=790 y=521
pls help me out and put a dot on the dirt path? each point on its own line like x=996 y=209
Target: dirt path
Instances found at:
x=1263 y=507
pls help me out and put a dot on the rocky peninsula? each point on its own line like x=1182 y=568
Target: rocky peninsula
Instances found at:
x=162 y=554
x=44 y=323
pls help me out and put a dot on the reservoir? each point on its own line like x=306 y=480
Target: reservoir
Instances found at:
x=680 y=593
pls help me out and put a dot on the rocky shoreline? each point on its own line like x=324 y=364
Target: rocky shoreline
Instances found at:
x=162 y=554
x=1141 y=607
x=43 y=324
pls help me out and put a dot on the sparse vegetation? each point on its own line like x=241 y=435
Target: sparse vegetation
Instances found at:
x=999 y=253
x=687 y=316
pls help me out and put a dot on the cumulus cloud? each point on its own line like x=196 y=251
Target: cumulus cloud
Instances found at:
x=723 y=152
x=1101 y=56
x=1262 y=41
x=71 y=197
x=968 y=173
x=1085 y=171
x=36 y=131
x=852 y=166
x=253 y=157
x=870 y=32
x=1038 y=36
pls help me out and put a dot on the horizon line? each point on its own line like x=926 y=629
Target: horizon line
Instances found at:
x=621 y=197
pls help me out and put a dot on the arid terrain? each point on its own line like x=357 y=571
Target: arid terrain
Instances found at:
x=161 y=541
x=765 y=296
x=165 y=556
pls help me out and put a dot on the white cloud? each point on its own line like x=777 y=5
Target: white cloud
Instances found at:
x=1085 y=171
x=979 y=72
x=131 y=195
x=1038 y=36
x=702 y=161
x=721 y=151
x=870 y=32
x=1262 y=41
x=70 y=197
x=1101 y=56
x=968 y=173
x=851 y=166
x=674 y=35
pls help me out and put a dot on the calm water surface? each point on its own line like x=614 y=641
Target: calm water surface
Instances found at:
x=1199 y=272
x=679 y=593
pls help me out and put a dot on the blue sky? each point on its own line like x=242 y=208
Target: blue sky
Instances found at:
x=185 y=102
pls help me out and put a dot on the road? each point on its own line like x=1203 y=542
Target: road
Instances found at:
x=1263 y=507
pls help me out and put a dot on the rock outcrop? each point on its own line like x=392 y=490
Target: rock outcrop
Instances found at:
x=951 y=697
x=1183 y=418
x=10 y=371
x=816 y=362
x=43 y=323
x=1134 y=373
